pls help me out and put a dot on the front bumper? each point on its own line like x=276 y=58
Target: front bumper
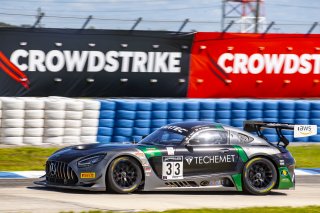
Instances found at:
x=69 y=175
x=88 y=187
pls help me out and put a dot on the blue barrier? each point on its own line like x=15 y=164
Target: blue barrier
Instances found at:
x=130 y=119
x=207 y=105
x=175 y=114
x=192 y=106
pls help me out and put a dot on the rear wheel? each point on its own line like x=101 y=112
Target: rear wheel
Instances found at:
x=259 y=176
x=124 y=175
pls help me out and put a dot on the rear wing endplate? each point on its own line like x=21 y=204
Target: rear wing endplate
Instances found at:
x=299 y=130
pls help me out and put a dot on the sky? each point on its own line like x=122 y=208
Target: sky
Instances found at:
x=291 y=16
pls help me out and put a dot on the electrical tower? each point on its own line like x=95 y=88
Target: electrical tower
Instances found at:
x=248 y=15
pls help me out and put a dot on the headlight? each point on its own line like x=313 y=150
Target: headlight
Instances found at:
x=89 y=161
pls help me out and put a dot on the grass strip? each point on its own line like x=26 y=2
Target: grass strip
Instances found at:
x=315 y=209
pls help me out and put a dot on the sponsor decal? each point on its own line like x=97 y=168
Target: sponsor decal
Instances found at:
x=170 y=150
x=147 y=169
x=199 y=160
x=189 y=159
x=241 y=63
x=284 y=172
x=97 y=61
x=176 y=129
x=281 y=162
x=304 y=130
x=139 y=154
x=87 y=175
x=151 y=151
x=172 y=167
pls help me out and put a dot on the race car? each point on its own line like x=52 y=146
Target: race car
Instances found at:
x=181 y=156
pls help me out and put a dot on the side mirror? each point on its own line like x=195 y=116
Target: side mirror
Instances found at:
x=194 y=142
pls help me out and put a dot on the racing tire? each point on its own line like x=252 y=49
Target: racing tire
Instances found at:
x=91 y=105
x=124 y=175
x=55 y=114
x=34 y=104
x=259 y=176
x=89 y=131
x=52 y=123
x=53 y=132
x=33 y=132
x=91 y=114
x=12 y=104
x=74 y=105
x=73 y=123
x=13 y=114
x=54 y=104
x=16 y=141
x=72 y=131
x=12 y=123
x=73 y=115
x=34 y=114
x=53 y=140
x=34 y=123
x=104 y=105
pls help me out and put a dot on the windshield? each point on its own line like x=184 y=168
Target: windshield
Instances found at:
x=163 y=137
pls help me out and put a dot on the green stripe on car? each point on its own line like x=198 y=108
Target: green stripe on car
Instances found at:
x=241 y=153
x=151 y=151
x=237 y=179
x=285 y=178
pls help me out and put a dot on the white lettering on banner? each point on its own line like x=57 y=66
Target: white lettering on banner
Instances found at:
x=240 y=63
x=97 y=61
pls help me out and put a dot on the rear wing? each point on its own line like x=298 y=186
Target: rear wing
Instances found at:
x=299 y=130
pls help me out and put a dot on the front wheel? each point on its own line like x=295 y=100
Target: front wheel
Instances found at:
x=259 y=176
x=124 y=175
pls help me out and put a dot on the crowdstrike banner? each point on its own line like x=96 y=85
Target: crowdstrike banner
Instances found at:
x=97 y=63
x=235 y=65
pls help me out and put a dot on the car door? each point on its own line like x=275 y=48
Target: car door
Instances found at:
x=208 y=152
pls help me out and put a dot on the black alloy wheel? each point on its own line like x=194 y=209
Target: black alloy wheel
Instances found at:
x=124 y=175
x=259 y=176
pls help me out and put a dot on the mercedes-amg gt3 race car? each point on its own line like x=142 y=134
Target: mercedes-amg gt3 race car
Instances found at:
x=179 y=156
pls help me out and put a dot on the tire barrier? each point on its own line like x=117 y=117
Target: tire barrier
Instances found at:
x=142 y=116
x=52 y=120
x=65 y=121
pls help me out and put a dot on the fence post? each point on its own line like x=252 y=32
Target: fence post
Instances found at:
x=39 y=17
x=185 y=22
x=136 y=23
x=312 y=28
x=86 y=22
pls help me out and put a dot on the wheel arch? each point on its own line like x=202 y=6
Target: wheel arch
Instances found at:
x=124 y=155
x=268 y=157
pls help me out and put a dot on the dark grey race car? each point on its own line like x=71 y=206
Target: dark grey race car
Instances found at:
x=179 y=156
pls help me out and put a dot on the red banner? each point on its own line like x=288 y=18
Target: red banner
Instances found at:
x=255 y=65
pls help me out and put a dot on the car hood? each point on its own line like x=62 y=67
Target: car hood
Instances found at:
x=71 y=153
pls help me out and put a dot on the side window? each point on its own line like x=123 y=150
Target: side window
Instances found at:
x=239 y=138
x=211 y=137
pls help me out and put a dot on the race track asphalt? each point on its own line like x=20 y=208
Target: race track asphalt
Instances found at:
x=22 y=196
